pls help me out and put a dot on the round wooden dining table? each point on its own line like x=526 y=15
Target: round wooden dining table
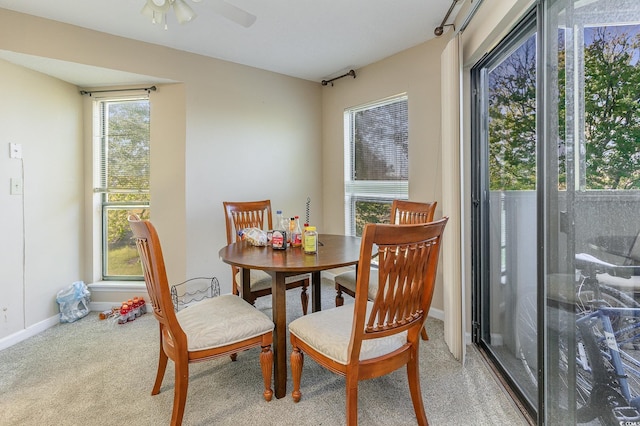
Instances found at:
x=334 y=251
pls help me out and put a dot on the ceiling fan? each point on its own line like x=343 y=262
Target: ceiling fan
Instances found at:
x=157 y=11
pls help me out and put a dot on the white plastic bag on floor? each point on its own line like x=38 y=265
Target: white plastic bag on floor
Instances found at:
x=74 y=302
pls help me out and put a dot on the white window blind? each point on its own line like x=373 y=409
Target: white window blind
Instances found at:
x=376 y=160
x=123 y=144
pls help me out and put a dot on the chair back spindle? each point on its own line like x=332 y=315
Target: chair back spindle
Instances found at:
x=401 y=285
x=407 y=268
x=411 y=212
x=242 y=215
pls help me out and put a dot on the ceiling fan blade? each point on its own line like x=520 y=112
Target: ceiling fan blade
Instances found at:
x=234 y=13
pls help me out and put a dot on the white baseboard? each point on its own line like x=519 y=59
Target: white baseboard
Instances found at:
x=437 y=314
x=31 y=331
x=117 y=286
x=102 y=306
x=105 y=306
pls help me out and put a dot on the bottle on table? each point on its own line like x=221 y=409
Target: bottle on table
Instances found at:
x=279 y=235
x=296 y=233
x=310 y=240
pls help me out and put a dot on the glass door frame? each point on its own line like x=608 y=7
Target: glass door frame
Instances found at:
x=480 y=231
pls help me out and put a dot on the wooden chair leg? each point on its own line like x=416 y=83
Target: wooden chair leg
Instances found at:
x=413 y=375
x=339 y=298
x=304 y=297
x=162 y=367
x=297 y=360
x=180 y=393
x=352 y=400
x=266 y=364
x=423 y=333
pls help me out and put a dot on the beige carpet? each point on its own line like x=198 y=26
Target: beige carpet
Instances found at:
x=94 y=372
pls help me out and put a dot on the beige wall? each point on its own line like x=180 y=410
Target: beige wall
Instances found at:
x=222 y=132
x=42 y=114
x=416 y=72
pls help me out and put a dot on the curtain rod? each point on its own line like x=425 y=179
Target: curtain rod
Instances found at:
x=146 y=89
x=351 y=73
x=471 y=14
x=440 y=30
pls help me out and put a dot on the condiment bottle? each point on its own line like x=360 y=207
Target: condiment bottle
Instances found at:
x=310 y=240
x=292 y=227
x=279 y=236
x=296 y=235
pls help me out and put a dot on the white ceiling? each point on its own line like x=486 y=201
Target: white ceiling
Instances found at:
x=310 y=39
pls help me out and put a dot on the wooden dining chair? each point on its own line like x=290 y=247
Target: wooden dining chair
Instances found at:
x=212 y=328
x=253 y=214
x=402 y=212
x=371 y=338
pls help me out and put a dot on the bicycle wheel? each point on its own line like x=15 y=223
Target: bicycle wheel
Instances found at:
x=588 y=300
x=598 y=391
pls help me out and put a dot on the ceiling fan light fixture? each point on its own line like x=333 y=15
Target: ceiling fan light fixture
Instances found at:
x=157 y=11
x=155 y=16
x=183 y=12
x=159 y=6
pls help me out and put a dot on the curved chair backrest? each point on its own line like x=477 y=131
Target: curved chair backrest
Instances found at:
x=406 y=212
x=155 y=277
x=246 y=214
x=408 y=260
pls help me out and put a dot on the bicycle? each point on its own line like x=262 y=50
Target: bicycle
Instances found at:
x=606 y=342
x=589 y=293
x=607 y=375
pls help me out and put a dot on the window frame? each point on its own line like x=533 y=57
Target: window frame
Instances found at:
x=101 y=204
x=379 y=191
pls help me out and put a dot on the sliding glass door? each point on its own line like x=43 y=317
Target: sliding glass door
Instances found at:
x=591 y=249
x=556 y=195
x=505 y=186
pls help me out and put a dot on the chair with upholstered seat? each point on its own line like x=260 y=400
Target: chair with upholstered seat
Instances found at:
x=253 y=214
x=371 y=338
x=212 y=328
x=402 y=212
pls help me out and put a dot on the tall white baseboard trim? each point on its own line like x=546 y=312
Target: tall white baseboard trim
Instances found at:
x=117 y=286
x=437 y=314
x=31 y=331
x=106 y=306
x=102 y=306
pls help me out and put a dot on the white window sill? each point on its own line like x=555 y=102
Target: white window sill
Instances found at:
x=117 y=286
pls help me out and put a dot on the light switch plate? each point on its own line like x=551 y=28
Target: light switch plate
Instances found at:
x=15 y=150
x=16 y=186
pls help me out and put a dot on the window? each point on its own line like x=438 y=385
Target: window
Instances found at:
x=376 y=161
x=121 y=181
x=611 y=153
